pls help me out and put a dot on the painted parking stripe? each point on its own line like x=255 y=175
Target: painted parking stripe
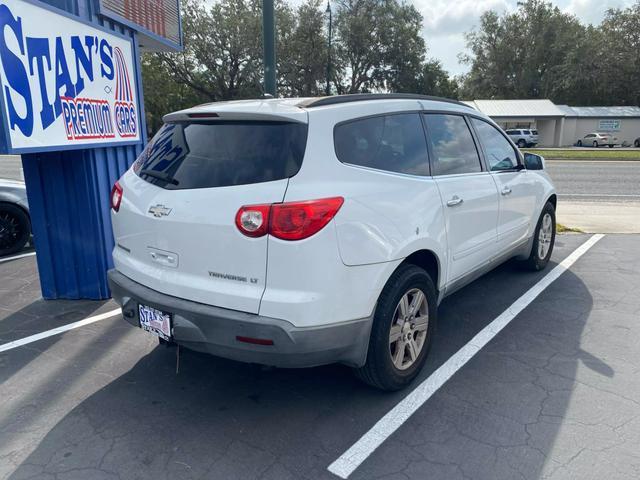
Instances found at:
x=370 y=441
x=15 y=257
x=56 y=331
x=631 y=195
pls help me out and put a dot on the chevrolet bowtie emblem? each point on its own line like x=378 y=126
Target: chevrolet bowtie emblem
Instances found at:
x=159 y=210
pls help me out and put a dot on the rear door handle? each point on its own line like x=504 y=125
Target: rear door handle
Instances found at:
x=506 y=191
x=455 y=200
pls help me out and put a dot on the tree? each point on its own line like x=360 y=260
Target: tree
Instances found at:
x=163 y=93
x=302 y=51
x=520 y=55
x=620 y=32
x=222 y=49
x=378 y=45
x=541 y=52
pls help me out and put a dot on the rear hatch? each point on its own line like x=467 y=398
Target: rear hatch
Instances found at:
x=175 y=230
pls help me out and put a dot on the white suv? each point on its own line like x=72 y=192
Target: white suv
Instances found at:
x=523 y=138
x=301 y=232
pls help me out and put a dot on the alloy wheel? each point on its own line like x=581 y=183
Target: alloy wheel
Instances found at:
x=544 y=236
x=409 y=329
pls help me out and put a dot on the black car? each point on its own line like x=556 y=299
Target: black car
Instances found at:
x=15 y=223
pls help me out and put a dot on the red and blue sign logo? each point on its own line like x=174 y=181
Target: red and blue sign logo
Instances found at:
x=126 y=118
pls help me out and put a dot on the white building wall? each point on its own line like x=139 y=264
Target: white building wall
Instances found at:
x=629 y=129
x=546 y=132
x=569 y=136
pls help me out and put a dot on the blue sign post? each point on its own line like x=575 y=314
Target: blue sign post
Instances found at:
x=72 y=106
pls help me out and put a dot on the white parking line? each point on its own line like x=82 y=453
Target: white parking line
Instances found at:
x=56 y=331
x=15 y=257
x=598 y=195
x=370 y=441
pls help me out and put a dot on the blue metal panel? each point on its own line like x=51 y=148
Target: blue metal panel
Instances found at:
x=69 y=203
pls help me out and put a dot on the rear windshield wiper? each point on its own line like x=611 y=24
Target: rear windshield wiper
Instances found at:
x=160 y=176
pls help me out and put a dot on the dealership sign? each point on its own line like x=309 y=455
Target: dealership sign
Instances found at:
x=609 y=125
x=65 y=84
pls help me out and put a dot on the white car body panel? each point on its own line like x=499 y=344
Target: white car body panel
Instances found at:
x=201 y=234
x=470 y=225
x=519 y=197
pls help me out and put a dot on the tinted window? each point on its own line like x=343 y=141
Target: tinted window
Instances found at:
x=498 y=151
x=534 y=132
x=203 y=155
x=512 y=132
x=454 y=150
x=394 y=143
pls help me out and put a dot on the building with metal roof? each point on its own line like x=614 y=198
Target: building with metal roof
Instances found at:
x=562 y=125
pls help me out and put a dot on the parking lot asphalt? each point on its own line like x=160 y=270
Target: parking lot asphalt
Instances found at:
x=554 y=395
x=11 y=167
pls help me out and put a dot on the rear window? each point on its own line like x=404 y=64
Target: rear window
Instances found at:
x=534 y=132
x=222 y=154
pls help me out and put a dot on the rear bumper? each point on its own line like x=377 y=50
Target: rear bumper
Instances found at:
x=214 y=330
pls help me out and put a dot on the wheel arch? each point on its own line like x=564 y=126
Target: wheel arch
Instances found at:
x=553 y=199
x=428 y=261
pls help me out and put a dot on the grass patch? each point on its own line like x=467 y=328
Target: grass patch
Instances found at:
x=564 y=229
x=595 y=154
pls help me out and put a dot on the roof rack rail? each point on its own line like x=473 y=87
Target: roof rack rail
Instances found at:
x=359 y=97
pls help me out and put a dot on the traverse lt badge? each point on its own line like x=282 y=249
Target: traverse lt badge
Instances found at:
x=159 y=210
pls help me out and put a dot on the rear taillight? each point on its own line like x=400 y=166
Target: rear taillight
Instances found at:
x=288 y=221
x=298 y=220
x=116 y=196
x=253 y=220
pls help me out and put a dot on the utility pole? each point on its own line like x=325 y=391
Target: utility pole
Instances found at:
x=328 y=88
x=269 y=42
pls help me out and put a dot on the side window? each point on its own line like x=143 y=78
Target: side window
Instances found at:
x=499 y=153
x=395 y=143
x=454 y=150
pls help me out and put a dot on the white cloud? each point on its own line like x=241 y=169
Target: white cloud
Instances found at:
x=446 y=22
x=592 y=11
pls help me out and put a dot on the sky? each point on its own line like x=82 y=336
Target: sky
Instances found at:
x=446 y=21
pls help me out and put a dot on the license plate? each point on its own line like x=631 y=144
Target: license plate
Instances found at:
x=155 y=321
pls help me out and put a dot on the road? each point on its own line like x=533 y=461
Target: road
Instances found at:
x=11 y=167
x=596 y=181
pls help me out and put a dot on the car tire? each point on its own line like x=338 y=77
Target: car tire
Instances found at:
x=579 y=143
x=15 y=228
x=595 y=144
x=610 y=146
x=544 y=239
x=384 y=358
x=636 y=144
x=521 y=143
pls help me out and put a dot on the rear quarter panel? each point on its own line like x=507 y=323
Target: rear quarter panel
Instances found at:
x=385 y=216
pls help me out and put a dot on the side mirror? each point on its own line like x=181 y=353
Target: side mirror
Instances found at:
x=533 y=161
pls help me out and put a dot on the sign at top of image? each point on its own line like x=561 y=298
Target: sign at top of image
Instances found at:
x=65 y=84
x=157 y=21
